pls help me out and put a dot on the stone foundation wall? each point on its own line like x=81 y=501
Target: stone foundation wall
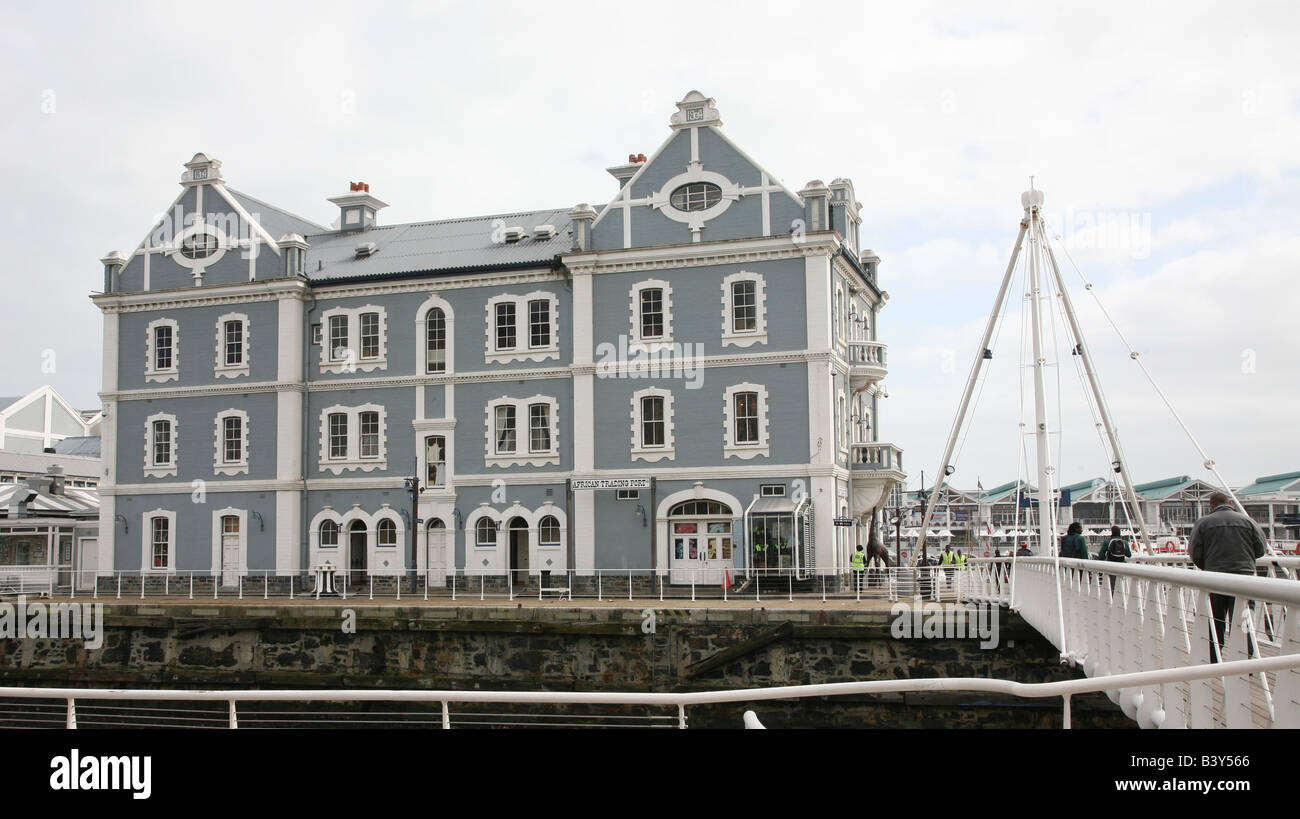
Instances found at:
x=560 y=648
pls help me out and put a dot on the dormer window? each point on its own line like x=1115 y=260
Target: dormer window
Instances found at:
x=695 y=196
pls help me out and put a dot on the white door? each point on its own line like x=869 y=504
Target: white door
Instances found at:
x=230 y=552
x=87 y=563
x=700 y=553
x=435 y=556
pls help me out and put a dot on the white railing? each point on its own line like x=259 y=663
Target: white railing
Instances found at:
x=1122 y=618
x=868 y=354
x=61 y=708
x=629 y=585
x=875 y=456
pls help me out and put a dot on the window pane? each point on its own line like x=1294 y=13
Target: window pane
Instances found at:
x=696 y=196
x=387 y=533
x=746 y=417
x=329 y=533
x=370 y=335
x=233 y=440
x=160 y=545
x=338 y=424
x=549 y=531
x=505 y=418
x=162 y=348
x=435 y=341
x=162 y=443
x=744 y=312
x=506 y=326
x=435 y=461
x=652 y=313
x=486 y=533
x=338 y=337
x=539 y=425
x=369 y=435
x=652 y=421
x=539 y=323
x=234 y=343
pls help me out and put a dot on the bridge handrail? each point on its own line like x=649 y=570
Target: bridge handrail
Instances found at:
x=1061 y=688
x=1275 y=590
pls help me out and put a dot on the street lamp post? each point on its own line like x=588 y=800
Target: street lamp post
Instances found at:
x=413 y=486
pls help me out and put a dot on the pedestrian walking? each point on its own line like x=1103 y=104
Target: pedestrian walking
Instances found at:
x=1225 y=540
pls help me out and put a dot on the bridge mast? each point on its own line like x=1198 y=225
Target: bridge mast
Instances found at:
x=1033 y=202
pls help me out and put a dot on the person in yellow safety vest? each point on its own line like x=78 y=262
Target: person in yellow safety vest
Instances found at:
x=947 y=559
x=858 y=564
x=960 y=559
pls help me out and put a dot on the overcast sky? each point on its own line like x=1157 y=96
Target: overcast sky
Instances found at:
x=1165 y=140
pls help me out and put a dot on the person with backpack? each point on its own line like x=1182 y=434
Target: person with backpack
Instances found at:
x=1116 y=550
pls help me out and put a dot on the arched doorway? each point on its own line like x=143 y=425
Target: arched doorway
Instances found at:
x=518 y=528
x=700 y=541
x=357 y=549
x=435 y=552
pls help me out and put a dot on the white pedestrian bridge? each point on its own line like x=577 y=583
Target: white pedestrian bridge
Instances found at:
x=1141 y=632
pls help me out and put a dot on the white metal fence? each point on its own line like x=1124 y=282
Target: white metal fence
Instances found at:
x=84 y=707
x=1123 y=618
x=887 y=583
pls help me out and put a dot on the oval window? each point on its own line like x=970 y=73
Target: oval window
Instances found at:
x=696 y=196
x=198 y=245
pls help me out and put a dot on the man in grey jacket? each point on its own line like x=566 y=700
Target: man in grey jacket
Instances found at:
x=1225 y=540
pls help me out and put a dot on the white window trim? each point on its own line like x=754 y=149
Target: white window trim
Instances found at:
x=173 y=372
x=522 y=350
x=653 y=453
x=521 y=456
x=843 y=425
x=421 y=316
x=353 y=460
x=232 y=371
x=219 y=465
x=354 y=363
x=839 y=310
x=198 y=266
x=163 y=470
x=471 y=534
x=217 y=514
x=387 y=553
x=146 y=537
x=730 y=448
x=447 y=429
x=636 y=342
x=759 y=334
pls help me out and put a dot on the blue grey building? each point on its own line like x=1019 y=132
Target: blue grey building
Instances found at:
x=668 y=382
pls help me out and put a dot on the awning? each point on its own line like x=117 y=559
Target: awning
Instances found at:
x=772 y=506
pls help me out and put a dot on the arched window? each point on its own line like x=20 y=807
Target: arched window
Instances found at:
x=435 y=341
x=548 y=531
x=700 y=507
x=329 y=534
x=387 y=533
x=437 y=523
x=485 y=533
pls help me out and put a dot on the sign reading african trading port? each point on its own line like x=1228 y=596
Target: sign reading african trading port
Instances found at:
x=610 y=483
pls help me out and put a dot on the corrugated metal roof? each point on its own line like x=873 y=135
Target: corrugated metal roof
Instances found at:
x=452 y=244
x=276 y=221
x=1161 y=489
x=1270 y=483
x=86 y=446
x=76 y=502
